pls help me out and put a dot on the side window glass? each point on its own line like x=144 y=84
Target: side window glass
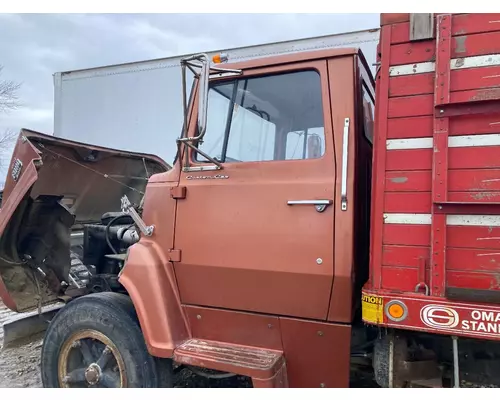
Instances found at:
x=368 y=111
x=277 y=117
x=309 y=143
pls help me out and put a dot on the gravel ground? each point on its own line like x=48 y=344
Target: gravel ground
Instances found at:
x=20 y=364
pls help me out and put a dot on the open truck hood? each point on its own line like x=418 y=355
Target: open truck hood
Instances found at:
x=53 y=186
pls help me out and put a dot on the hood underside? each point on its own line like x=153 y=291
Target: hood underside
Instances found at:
x=53 y=187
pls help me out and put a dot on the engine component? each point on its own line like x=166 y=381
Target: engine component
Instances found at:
x=127 y=235
x=100 y=240
x=128 y=208
x=80 y=274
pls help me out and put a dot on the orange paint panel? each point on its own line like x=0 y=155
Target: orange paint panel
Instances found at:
x=235 y=327
x=264 y=291
x=249 y=250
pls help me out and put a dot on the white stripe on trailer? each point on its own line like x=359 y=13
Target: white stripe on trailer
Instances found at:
x=473 y=220
x=456 y=63
x=409 y=144
x=451 y=220
x=408 y=219
x=490 y=139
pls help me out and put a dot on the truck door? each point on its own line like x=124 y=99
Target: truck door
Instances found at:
x=258 y=234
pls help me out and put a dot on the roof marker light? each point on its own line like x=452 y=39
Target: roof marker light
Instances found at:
x=220 y=58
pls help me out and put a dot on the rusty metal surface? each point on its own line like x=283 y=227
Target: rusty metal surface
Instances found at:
x=242 y=360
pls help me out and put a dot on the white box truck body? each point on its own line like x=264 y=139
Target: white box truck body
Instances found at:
x=138 y=106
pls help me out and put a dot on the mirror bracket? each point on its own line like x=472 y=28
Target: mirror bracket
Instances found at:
x=199 y=65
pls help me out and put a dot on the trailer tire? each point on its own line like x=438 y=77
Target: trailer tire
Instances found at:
x=96 y=341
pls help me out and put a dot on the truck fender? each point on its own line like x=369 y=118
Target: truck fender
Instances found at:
x=149 y=279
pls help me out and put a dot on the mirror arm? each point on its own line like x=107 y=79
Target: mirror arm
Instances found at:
x=211 y=159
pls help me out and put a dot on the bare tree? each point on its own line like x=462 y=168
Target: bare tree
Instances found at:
x=9 y=101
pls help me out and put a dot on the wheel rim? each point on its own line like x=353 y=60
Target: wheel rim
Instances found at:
x=89 y=359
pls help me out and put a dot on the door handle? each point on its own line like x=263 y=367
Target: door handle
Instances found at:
x=343 y=190
x=319 y=205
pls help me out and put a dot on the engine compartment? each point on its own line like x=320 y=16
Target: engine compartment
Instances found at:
x=98 y=253
x=64 y=230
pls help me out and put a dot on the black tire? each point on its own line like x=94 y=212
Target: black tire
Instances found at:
x=112 y=315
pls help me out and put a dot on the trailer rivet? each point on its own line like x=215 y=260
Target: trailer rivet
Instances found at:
x=319 y=261
x=322 y=385
x=198 y=316
x=320 y=333
x=269 y=326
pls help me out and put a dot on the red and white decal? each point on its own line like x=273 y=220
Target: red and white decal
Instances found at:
x=464 y=319
x=439 y=317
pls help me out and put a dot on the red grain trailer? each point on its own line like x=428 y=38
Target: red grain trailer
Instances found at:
x=435 y=235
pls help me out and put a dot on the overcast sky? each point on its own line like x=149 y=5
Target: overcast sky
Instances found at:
x=34 y=46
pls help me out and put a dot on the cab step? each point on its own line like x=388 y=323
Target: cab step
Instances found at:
x=266 y=367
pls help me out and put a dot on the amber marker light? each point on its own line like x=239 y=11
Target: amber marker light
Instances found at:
x=219 y=58
x=396 y=310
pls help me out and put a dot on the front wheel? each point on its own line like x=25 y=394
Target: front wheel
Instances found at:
x=96 y=341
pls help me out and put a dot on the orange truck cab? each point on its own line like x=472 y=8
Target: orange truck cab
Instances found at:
x=300 y=217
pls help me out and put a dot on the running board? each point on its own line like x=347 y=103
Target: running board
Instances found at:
x=267 y=368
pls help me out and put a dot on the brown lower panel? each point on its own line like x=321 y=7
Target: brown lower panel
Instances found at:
x=234 y=327
x=316 y=354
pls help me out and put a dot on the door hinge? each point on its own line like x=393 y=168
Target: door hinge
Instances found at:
x=174 y=255
x=178 y=192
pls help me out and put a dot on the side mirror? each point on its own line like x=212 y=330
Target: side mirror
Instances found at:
x=203 y=96
x=313 y=146
x=199 y=65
